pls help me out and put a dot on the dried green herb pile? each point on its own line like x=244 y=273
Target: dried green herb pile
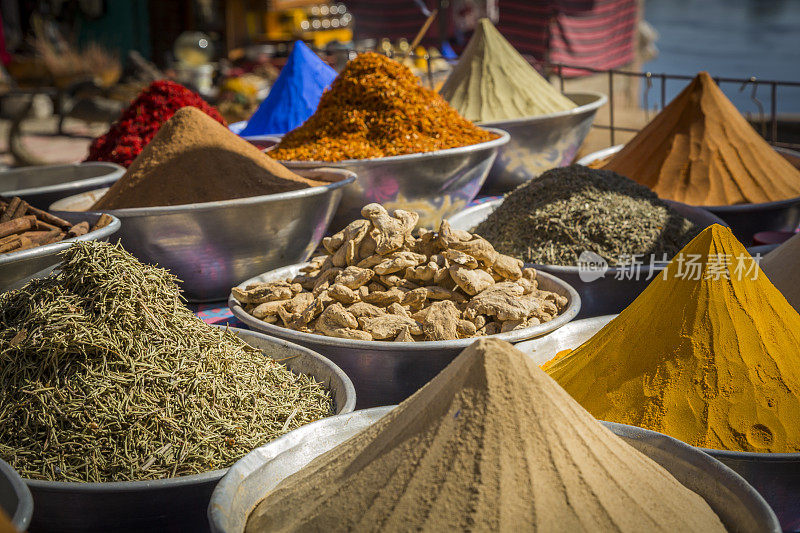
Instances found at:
x=106 y=376
x=552 y=219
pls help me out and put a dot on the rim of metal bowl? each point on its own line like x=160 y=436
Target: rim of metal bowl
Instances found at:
x=25 y=503
x=300 y=337
x=47 y=249
x=117 y=172
x=503 y=138
x=735 y=208
x=599 y=101
x=574 y=270
x=348 y=177
x=177 y=481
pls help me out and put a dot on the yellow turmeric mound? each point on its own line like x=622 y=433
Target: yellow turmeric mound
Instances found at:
x=700 y=150
x=707 y=360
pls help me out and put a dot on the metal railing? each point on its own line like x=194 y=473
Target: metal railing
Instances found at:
x=661 y=79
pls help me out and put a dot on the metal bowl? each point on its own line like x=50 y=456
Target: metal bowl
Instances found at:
x=15 y=498
x=618 y=286
x=389 y=372
x=775 y=475
x=745 y=220
x=17 y=268
x=175 y=504
x=212 y=246
x=542 y=142
x=737 y=505
x=40 y=186
x=434 y=184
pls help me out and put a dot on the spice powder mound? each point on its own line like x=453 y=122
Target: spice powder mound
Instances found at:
x=377 y=108
x=707 y=356
x=490 y=444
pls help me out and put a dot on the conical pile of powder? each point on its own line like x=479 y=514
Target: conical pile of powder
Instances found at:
x=701 y=151
x=490 y=444
x=708 y=360
x=492 y=81
x=194 y=159
x=294 y=96
x=782 y=267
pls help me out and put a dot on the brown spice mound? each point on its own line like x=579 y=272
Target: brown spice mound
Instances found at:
x=377 y=108
x=194 y=159
x=490 y=444
x=700 y=150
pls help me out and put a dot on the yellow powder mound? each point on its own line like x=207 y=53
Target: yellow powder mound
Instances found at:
x=701 y=151
x=490 y=444
x=492 y=81
x=712 y=362
x=782 y=267
x=194 y=159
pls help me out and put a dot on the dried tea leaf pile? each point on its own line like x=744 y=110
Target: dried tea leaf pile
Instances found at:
x=108 y=377
x=490 y=444
x=377 y=108
x=552 y=219
x=379 y=282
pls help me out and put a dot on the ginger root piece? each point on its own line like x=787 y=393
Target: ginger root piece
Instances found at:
x=389 y=326
x=336 y=321
x=471 y=281
x=441 y=321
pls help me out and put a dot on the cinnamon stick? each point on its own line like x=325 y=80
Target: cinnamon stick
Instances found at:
x=10 y=246
x=44 y=216
x=102 y=222
x=41 y=238
x=10 y=208
x=21 y=210
x=81 y=228
x=18 y=225
x=44 y=226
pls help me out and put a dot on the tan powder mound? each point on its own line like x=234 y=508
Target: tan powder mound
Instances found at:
x=782 y=267
x=195 y=159
x=712 y=362
x=492 y=81
x=490 y=444
x=701 y=151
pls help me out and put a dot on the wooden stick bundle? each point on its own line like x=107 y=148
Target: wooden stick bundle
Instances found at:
x=23 y=226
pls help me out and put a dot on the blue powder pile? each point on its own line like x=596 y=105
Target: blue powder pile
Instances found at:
x=294 y=96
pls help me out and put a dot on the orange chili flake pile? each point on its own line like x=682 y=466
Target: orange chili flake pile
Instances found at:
x=377 y=108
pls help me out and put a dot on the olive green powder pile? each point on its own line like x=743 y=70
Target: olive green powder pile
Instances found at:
x=107 y=376
x=552 y=219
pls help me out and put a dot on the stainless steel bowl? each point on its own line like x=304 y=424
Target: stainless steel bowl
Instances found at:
x=745 y=220
x=775 y=475
x=40 y=186
x=737 y=505
x=17 y=268
x=15 y=498
x=542 y=142
x=434 y=184
x=389 y=372
x=176 y=504
x=618 y=286
x=214 y=245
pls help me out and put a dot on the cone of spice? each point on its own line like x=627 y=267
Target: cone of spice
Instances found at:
x=492 y=81
x=139 y=123
x=294 y=96
x=782 y=267
x=701 y=151
x=193 y=159
x=490 y=444
x=706 y=354
x=376 y=107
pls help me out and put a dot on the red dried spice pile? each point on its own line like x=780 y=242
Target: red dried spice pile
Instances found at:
x=377 y=108
x=139 y=123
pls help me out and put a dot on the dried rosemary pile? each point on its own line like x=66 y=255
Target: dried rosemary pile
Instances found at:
x=106 y=376
x=552 y=219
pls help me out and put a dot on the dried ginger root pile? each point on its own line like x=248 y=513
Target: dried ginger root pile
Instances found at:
x=379 y=282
